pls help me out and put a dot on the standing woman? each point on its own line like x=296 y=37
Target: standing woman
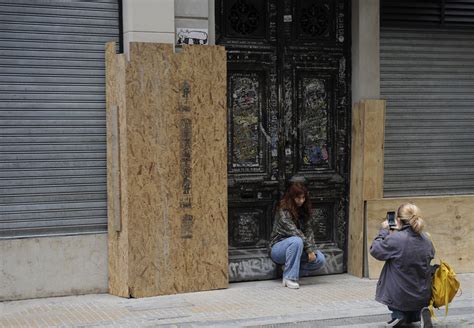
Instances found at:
x=405 y=281
x=292 y=237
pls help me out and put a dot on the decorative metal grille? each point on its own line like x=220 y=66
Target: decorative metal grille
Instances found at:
x=244 y=17
x=315 y=19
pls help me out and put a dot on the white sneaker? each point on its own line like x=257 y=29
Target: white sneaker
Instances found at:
x=290 y=284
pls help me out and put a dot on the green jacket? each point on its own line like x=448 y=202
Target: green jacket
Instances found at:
x=285 y=227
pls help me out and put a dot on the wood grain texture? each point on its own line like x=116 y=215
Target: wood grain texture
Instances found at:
x=374 y=130
x=368 y=119
x=116 y=181
x=449 y=220
x=176 y=171
x=356 y=202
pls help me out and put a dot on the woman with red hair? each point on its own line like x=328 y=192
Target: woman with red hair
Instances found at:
x=291 y=241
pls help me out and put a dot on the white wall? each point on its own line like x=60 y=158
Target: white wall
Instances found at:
x=53 y=266
x=148 y=21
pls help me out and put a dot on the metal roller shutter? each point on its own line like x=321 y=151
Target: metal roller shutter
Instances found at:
x=434 y=13
x=52 y=115
x=427 y=78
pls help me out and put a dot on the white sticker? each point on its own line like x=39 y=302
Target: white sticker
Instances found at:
x=192 y=36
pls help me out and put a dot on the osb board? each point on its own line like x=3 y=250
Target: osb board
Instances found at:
x=449 y=220
x=356 y=202
x=368 y=117
x=117 y=240
x=177 y=169
x=374 y=129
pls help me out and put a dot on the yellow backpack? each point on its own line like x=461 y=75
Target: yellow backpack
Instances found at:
x=444 y=286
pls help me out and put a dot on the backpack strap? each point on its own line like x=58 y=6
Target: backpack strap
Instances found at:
x=431 y=307
x=446 y=303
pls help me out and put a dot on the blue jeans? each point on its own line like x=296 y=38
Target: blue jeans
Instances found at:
x=289 y=252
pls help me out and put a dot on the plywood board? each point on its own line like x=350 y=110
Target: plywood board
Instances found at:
x=176 y=170
x=366 y=174
x=449 y=220
x=116 y=202
x=356 y=202
x=374 y=129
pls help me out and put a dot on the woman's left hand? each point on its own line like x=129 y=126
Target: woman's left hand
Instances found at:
x=311 y=257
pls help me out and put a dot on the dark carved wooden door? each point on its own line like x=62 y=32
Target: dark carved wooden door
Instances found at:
x=288 y=114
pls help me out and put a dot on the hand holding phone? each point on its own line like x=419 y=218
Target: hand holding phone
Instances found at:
x=392 y=223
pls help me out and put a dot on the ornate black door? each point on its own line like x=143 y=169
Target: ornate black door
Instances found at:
x=288 y=114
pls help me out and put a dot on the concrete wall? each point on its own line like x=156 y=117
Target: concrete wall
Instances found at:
x=53 y=266
x=148 y=21
x=365 y=50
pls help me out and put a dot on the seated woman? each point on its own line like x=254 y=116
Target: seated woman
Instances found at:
x=405 y=281
x=291 y=240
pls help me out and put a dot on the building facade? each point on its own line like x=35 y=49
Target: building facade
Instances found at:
x=295 y=69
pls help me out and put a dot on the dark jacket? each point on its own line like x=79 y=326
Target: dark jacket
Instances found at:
x=284 y=227
x=405 y=280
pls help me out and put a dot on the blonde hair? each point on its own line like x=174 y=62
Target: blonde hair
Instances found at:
x=410 y=213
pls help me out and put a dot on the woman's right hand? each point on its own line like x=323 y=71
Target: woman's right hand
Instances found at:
x=311 y=257
x=392 y=229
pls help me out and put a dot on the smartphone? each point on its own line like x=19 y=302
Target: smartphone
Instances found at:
x=391 y=219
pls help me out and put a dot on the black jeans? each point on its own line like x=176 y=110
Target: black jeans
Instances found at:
x=408 y=316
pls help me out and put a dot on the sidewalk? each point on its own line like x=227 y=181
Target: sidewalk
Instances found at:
x=323 y=301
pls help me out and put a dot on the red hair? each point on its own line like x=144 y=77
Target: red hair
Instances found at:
x=288 y=201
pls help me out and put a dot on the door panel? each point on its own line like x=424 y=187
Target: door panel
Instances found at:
x=313 y=106
x=288 y=114
x=247 y=121
x=253 y=154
